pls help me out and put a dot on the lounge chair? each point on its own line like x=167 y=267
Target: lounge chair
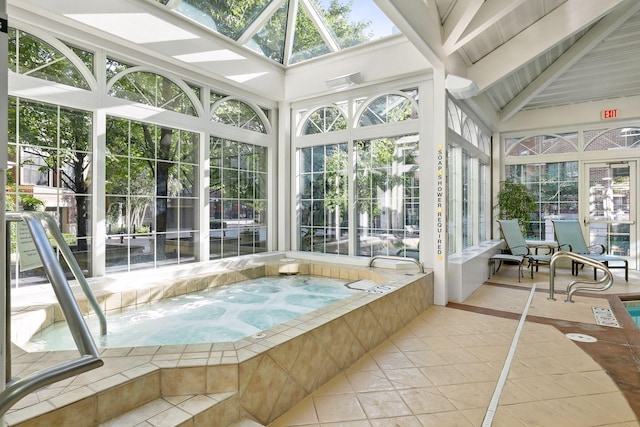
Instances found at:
x=517 y=248
x=570 y=238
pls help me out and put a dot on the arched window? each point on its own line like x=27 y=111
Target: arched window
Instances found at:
x=454 y=117
x=30 y=56
x=324 y=119
x=628 y=137
x=237 y=113
x=541 y=144
x=390 y=108
x=152 y=89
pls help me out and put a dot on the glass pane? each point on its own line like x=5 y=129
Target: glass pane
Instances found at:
x=269 y=40
x=323 y=215
x=152 y=89
x=555 y=188
x=238 y=114
x=307 y=41
x=387 y=109
x=325 y=119
x=33 y=57
x=38 y=124
x=628 y=137
x=542 y=144
x=354 y=22
x=387 y=219
x=237 y=199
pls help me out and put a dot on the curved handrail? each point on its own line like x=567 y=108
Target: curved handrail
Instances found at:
x=607 y=279
x=396 y=258
x=89 y=355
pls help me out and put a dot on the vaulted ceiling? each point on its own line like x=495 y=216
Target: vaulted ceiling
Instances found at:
x=521 y=54
x=526 y=54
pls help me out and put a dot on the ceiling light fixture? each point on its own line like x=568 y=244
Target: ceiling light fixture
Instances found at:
x=344 y=82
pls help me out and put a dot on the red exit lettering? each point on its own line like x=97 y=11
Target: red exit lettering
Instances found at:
x=609 y=114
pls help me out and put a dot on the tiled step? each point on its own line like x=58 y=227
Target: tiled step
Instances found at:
x=200 y=410
x=246 y=422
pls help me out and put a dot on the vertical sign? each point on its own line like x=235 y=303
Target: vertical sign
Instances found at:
x=440 y=216
x=28 y=257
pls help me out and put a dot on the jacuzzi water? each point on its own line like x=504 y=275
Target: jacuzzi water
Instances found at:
x=226 y=313
x=633 y=308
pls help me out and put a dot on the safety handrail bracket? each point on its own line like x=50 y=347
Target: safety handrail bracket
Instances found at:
x=606 y=281
x=89 y=355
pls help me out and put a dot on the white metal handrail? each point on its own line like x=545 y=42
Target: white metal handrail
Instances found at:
x=89 y=355
x=606 y=281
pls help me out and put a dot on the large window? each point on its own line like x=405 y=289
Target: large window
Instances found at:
x=468 y=167
x=151 y=194
x=387 y=195
x=555 y=188
x=323 y=221
x=237 y=198
x=51 y=158
x=377 y=176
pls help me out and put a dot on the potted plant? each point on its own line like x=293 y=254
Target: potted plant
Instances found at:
x=515 y=201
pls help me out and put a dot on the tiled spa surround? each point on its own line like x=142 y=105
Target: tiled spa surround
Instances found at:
x=255 y=378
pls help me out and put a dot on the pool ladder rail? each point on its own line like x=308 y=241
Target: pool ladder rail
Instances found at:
x=89 y=358
x=397 y=258
x=606 y=281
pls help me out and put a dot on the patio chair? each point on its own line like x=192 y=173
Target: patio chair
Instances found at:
x=569 y=236
x=517 y=246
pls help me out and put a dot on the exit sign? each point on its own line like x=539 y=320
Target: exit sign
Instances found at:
x=609 y=114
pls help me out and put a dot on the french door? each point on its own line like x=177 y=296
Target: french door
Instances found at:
x=610 y=206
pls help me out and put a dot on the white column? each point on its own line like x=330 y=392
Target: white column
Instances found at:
x=435 y=176
x=280 y=228
x=3 y=185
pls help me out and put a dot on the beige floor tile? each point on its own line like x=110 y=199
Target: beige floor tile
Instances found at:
x=304 y=413
x=425 y=358
x=582 y=411
x=426 y=400
x=466 y=396
x=336 y=408
x=444 y=419
x=614 y=403
x=444 y=375
x=393 y=360
x=543 y=387
x=457 y=355
x=408 y=421
x=407 y=378
x=369 y=381
x=478 y=372
x=383 y=404
x=537 y=414
x=338 y=385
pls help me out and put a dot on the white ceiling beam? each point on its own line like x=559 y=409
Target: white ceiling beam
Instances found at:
x=420 y=23
x=562 y=22
x=489 y=13
x=597 y=34
x=260 y=21
x=461 y=15
x=292 y=16
x=326 y=35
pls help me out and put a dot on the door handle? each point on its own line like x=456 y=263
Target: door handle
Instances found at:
x=585 y=221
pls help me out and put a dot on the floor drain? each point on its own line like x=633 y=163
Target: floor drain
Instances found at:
x=581 y=337
x=260 y=335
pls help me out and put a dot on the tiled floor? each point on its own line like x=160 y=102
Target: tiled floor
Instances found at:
x=442 y=370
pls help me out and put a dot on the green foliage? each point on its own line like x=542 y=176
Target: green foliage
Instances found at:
x=30 y=203
x=515 y=201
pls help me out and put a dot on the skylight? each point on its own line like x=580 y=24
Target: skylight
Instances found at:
x=285 y=33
